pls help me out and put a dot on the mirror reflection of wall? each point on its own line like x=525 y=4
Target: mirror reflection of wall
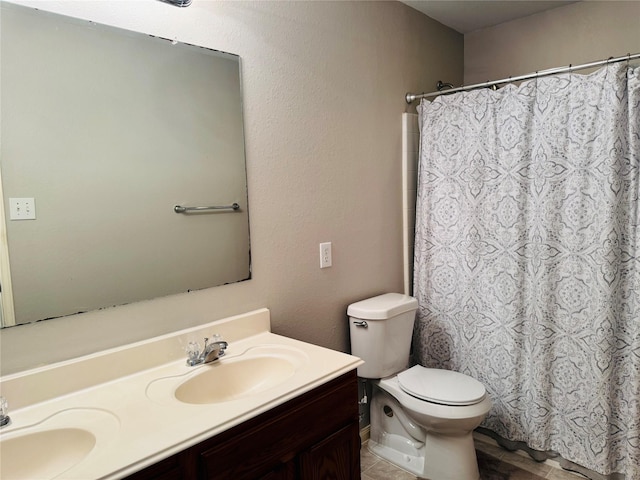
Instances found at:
x=107 y=130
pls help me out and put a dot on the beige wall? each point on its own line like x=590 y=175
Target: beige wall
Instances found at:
x=323 y=86
x=577 y=33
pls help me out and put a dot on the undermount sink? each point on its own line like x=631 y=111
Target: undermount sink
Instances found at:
x=254 y=371
x=54 y=445
x=220 y=382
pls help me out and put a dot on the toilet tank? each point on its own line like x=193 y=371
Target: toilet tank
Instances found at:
x=381 y=329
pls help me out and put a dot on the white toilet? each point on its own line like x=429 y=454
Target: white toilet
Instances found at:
x=422 y=419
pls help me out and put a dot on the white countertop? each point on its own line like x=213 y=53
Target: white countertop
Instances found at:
x=126 y=387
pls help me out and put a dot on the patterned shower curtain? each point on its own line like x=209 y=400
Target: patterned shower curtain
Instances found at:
x=527 y=264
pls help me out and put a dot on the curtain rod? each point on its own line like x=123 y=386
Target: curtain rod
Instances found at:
x=410 y=97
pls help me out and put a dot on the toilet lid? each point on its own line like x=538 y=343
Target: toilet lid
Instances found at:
x=441 y=386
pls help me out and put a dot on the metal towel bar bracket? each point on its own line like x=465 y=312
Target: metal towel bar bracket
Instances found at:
x=180 y=209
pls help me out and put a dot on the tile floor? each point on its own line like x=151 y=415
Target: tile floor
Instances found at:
x=494 y=462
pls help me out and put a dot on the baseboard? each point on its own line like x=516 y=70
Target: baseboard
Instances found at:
x=365 y=433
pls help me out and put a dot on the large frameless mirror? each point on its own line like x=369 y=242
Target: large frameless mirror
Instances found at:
x=104 y=131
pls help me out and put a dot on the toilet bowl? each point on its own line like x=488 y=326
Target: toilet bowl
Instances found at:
x=439 y=436
x=422 y=419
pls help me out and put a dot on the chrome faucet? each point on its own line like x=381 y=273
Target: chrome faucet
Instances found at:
x=4 y=408
x=210 y=353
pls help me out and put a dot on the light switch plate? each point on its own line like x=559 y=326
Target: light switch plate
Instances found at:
x=22 y=209
x=325 y=255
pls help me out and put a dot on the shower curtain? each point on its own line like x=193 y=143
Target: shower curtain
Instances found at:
x=527 y=260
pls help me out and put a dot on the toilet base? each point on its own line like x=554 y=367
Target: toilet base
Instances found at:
x=411 y=463
x=398 y=439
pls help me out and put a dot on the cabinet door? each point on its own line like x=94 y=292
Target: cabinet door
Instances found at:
x=260 y=446
x=335 y=458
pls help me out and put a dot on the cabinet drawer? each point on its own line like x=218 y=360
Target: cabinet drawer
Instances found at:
x=169 y=469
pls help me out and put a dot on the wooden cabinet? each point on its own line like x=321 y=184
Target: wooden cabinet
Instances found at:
x=313 y=436
x=336 y=458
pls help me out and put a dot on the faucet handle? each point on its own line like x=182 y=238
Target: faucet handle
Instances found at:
x=4 y=408
x=193 y=352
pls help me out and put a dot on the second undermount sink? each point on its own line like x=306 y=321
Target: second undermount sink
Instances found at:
x=220 y=382
x=53 y=446
x=256 y=370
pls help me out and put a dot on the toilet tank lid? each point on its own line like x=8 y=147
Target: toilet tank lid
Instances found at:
x=382 y=307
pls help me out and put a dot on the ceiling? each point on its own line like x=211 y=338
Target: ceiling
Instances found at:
x=465 y=16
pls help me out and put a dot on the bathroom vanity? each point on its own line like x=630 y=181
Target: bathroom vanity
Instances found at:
x=315 y=436
x=271 y=408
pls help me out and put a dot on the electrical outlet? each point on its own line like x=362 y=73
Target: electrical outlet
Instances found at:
x=22 y=209
x=325 y=255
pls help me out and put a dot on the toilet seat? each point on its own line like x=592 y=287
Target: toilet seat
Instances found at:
x=440 y=386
